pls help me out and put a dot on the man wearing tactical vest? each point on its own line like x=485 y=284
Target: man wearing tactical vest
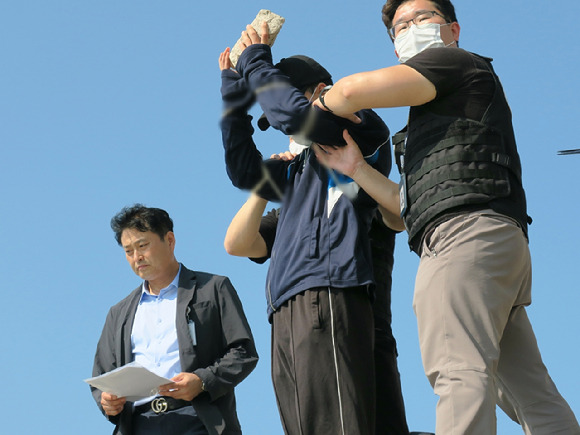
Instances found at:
x=462 y=202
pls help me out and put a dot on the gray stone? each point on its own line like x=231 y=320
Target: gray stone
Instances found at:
x=275 y=23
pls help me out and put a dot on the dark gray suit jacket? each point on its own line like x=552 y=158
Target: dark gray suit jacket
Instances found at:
x=224 y=355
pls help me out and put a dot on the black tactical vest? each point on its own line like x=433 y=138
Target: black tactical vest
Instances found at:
x=448 y=164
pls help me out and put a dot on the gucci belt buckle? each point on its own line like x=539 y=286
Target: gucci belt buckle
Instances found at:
x=159 y=405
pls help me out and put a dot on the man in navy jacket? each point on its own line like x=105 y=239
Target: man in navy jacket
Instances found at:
x=319 y=284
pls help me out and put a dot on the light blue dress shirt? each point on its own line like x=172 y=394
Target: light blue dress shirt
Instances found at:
x=154 y=335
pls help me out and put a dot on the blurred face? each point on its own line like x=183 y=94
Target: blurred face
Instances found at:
x=411 y=9
x=150 y=257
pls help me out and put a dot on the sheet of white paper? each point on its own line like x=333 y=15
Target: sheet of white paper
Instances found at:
x=132 y=381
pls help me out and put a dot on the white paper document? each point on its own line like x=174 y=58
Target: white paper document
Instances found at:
x=132 y=381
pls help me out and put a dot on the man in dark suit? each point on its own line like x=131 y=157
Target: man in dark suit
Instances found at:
x=183 y=325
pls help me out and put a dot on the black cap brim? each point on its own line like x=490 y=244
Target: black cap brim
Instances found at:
x=263 y=122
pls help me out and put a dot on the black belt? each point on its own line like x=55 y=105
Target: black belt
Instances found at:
x=162 y=404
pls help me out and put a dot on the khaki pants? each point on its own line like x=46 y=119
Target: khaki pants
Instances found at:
x=477 y=344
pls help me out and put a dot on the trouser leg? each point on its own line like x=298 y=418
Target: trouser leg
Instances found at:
x=283 y=370
x=390 y=416
x=322 y=363
x=468 y=280
x=473 y=282
x=526 y=390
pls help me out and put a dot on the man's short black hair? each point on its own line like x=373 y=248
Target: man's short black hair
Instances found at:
x=444 y=6
x=142 y=219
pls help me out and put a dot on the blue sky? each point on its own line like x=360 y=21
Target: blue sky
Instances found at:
x=104 y=104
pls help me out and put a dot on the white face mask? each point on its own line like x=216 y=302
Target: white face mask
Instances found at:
x=296 y=147
x=417 y=39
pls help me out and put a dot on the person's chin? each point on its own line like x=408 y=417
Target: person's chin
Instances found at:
x=142 y=271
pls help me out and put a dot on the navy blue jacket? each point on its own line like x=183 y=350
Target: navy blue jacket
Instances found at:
x=322 y=235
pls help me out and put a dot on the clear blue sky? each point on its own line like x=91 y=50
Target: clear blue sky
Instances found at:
x=107 y=103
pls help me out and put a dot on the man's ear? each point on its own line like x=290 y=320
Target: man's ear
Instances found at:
x=455 y=29
x=319 y=88
x=170 y=237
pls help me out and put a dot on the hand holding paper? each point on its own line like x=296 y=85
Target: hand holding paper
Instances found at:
x=185 y=386
x=112 y=405
x=131 y=381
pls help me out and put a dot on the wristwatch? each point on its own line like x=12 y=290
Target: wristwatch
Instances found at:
x=321 y=97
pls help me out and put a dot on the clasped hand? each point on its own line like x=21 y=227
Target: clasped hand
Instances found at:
x=249 y=37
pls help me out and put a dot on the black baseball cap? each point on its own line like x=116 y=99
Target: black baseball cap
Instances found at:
x=303 y=72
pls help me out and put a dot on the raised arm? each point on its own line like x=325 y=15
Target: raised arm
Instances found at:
x=243 y=238
x=244 y=163
x=288 y=110
x=245 y=235
x=396 y=86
